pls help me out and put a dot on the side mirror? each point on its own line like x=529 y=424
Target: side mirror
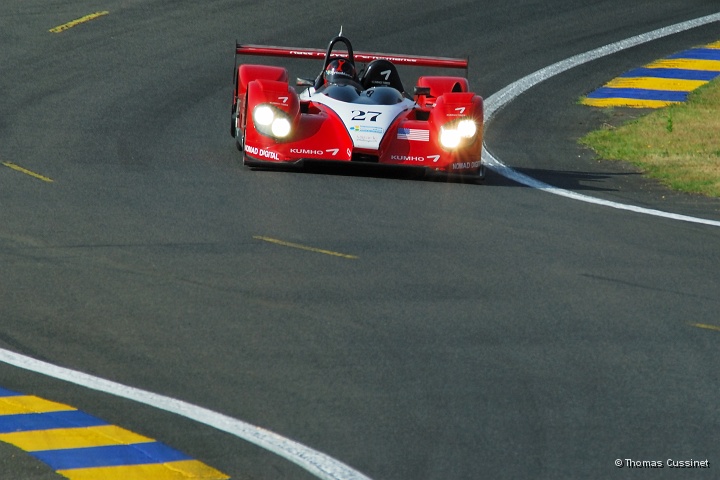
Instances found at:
x=421 y=91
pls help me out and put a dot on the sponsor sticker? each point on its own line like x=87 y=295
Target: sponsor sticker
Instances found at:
x=260 y=152
x=415 y=158
x=365 y=129
x=466 y=165
x=316 y=152
x=306 y=151
x=407 y=158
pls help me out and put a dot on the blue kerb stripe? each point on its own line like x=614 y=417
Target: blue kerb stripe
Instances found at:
x=27 y=422
x=4 y=392
x=639 y=94
x=698 y=54
x=110 y=456
x=676 y=73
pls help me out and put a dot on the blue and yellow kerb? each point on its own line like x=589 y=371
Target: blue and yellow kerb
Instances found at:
x=660 y=83
x=82 y=447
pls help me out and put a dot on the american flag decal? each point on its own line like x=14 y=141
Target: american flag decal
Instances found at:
x=416 y=134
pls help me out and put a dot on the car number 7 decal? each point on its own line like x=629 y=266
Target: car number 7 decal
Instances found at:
x=360 y=116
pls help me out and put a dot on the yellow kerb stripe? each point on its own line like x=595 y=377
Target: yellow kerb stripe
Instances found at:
x=687 y=64
x=648 y=83
x=625 y=102
x=29 y=404
x=182 y=470
x=62 y=438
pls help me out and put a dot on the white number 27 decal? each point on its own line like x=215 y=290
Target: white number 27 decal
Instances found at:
x=360 y=116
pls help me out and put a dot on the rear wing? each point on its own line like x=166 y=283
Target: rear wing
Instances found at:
x=363 y=57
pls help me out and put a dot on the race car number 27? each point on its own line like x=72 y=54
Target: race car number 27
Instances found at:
x=360 y=116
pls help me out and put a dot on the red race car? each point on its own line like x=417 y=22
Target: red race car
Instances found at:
x=345 y=116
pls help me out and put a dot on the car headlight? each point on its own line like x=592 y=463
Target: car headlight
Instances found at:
x=453 y=134
x=466 y=128
x=271 y=121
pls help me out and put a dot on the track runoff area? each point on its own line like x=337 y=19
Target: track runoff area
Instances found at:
x=317 y=463
x=499 y=100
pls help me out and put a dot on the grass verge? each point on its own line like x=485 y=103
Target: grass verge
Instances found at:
x=678 y=145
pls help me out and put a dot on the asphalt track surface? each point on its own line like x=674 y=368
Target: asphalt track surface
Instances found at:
x=484 y=331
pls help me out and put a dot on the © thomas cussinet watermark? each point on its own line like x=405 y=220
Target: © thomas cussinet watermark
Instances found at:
x=666 y=463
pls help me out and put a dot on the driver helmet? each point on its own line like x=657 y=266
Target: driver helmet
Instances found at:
x=340 y=70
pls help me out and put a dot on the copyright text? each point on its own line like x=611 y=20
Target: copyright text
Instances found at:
x=668 y=463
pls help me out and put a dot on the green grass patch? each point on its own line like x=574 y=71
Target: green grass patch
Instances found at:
x=678 y=145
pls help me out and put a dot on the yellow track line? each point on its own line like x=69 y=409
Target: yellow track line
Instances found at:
x=303 y=247
x=705 y=326
x=86 y=18
x=20 y=169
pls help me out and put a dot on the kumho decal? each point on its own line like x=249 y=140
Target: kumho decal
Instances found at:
x=306 y=151
x=310 y=151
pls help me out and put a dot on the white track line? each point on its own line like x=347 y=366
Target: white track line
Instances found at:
x=501 y=99
x=317 y=463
